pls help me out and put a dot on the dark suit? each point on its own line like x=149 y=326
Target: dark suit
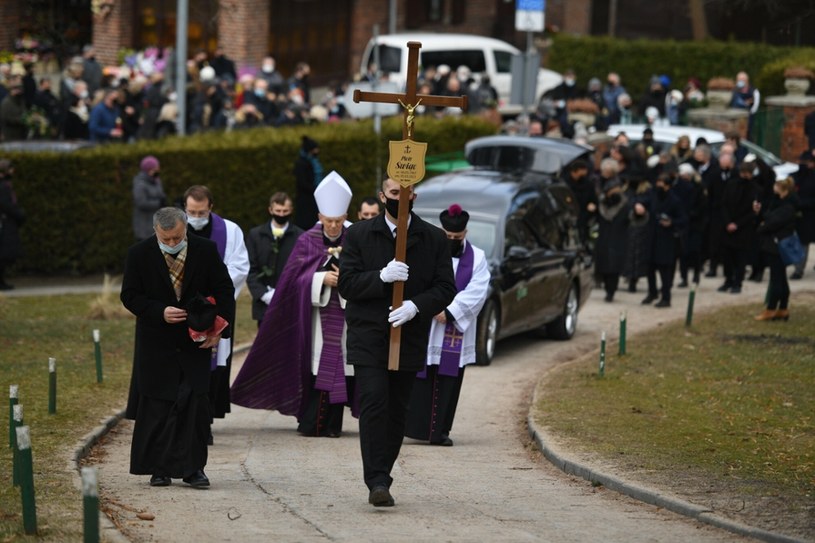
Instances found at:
x=168 y=395
x=267 y=257
x=384 y=395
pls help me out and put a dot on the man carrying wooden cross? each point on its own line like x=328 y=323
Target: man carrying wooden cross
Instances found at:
x=395 y=272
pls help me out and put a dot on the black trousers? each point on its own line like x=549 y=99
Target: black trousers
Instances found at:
x=779 y=288
x=383 y=397
x=734 y=261
x=666 y=278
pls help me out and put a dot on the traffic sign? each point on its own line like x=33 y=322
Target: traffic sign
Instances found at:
x=529 y=15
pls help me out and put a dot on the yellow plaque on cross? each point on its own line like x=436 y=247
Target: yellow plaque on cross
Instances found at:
x=406 y=163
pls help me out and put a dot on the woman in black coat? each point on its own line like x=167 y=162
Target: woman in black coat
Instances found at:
x=609 y=251
x=738 y=220
x=778 y=222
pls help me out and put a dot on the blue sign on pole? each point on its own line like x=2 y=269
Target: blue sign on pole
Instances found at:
x=530 y=5
x=529 y=15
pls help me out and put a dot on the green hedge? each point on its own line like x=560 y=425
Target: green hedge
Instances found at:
x=637 y=60
x=79 y=204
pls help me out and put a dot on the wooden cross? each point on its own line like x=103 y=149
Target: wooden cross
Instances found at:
x=409 y=101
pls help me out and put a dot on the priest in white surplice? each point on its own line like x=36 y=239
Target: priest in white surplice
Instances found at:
x=452 y=338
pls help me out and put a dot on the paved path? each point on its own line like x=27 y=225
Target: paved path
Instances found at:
x=270 y=484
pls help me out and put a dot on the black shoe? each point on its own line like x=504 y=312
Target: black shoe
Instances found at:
x=160 y=480
x=380 y=496
x=724 y=288
x=6 y=286
x=609 y=298
x=663 y=303
x=683 y=284
x=735 y=290
x=197 y=479
x=797 y=275
x=649 y=299
x=632 y=286
x=756 y=277
x=711 y=273
x=443 y=442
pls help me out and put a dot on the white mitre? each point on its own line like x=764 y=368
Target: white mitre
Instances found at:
x=333 y=195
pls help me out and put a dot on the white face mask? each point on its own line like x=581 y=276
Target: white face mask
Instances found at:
x=268 y=68
x=173 y=250
x=197 y=223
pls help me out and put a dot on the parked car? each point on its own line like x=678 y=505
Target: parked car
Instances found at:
x=668 y=135
x=524 y=218
x=480 y=54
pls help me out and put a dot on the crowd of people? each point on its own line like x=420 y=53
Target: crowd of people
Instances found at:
x=323 y=321
x=648 y=209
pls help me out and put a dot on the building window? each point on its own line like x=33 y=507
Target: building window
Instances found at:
x=156 y=20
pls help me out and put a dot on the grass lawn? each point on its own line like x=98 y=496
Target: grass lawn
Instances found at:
x=726 y=408
x=32 y=329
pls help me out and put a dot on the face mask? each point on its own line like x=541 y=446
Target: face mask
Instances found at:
x=282 y=220
x=455 y=246
x=755 y=172
x=740 y=84
x=172 y=96
x=392 y=206
x=155 y=175
x=83 y=94
x=173 y=250
x=197 y=223
x=569 y=82
x=268 y=68
x=260 y=93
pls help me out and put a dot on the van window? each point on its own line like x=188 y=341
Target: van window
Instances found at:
x=503 y=62
x=474 y=59
x=390 y=58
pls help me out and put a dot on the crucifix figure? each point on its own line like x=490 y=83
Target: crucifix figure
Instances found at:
x=413 y=173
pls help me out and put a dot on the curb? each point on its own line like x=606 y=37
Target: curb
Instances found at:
x=107 y=530
x=645 y=494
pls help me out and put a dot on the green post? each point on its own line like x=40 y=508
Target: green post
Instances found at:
x=97 y=351
x=623 y=322
x=691 y=297
x=15 y=455
x=27 y=480
x=90 y=505
x=52 y=386
x=603 y=354
x=12 y=401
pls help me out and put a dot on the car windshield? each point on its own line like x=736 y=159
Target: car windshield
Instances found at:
x=390 y=58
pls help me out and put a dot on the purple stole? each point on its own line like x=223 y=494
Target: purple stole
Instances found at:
x=331 y=373
x=218 y=235
x=453 y=339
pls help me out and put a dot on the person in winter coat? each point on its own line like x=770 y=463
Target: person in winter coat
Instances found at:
x=612 y=221
x=691 y=193
x=308 y=173
x=148 y=197
x=12 y=217
x=805 y=187
x=639 y=236
x=668 y=222
x=777 y=222
x=738 y=220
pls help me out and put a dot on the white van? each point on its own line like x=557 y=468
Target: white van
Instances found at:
x=478 y=53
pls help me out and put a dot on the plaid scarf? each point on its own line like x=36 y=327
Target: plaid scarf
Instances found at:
x=176 y=266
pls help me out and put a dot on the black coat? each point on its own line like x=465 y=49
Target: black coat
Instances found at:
x=737 y=207
x=777 y=222
x=667 y=238
x=12 y=217
x=267 y=258
x=805 y=183
x=163 y=352
x=612 y=238
x=367 y=248
x=305 y=208
x=693 y=197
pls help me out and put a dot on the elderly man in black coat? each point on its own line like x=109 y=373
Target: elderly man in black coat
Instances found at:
x=367 y=273
x=170 y=382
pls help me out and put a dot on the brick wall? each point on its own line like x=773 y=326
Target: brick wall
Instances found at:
x=113 y=31
x=793 y=139
x=243 y=31
x=9 y=23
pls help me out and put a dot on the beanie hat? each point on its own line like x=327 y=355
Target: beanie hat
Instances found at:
x=454 y=219
x=149 y=163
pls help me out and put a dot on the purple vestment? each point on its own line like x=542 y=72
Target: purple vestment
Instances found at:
x=218 y=235
x=277 y=370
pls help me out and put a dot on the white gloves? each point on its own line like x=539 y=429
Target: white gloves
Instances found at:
x=267 y=296
x=394 y=271
x=403 y=313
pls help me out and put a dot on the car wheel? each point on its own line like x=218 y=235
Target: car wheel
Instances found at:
x=487 y=334
x=565 y=325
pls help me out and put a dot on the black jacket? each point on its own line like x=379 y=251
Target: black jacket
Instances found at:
x=163 y=352
x=778 y=222
x=267 y=258
x=737 y=207
x=367 y=248
x=11 y=218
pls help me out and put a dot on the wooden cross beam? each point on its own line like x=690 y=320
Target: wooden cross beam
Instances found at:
x=409 y=101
